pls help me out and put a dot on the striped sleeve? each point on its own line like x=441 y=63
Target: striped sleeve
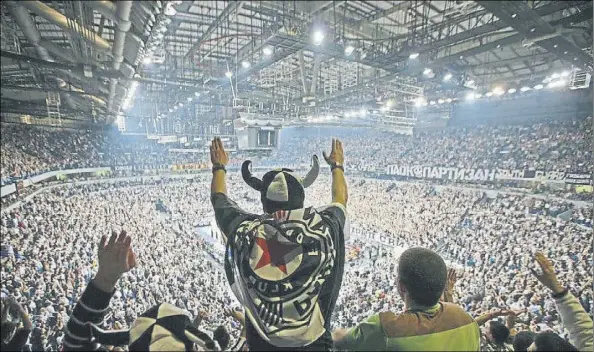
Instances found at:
x=90 y=308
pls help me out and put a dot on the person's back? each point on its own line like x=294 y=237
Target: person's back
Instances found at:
x=426 y=324
x=285 y=266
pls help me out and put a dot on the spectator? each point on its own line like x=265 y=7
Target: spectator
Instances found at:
x=13 y=337
x=523 y=340
x=300 y=254
x=426 y=324
x=573 y=315
x=175 y=331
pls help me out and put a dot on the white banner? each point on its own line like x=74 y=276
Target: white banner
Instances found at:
x=467 y=174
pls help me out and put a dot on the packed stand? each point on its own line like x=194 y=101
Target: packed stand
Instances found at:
x=49 y=250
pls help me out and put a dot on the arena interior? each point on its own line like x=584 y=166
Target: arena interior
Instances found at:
x=467 y=131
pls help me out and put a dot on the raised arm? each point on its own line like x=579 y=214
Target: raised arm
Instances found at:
x=573 y=316
x=219 y=159
x=115 y=258
x=336 y=162
x=448 y=293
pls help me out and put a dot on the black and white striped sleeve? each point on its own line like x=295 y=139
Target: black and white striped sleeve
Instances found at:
x=90 y=308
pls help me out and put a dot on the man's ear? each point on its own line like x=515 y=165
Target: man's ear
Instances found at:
x=401 y=288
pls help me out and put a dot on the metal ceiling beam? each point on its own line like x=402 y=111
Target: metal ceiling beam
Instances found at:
x=65 y=23
x=509 y=40
x=462 y=36
x=233 y=6
x=530 y=24
x=403 y=5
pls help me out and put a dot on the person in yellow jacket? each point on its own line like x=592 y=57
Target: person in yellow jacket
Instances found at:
x=426 y=324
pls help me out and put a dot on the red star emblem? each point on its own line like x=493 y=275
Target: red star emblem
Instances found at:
x=274 y=252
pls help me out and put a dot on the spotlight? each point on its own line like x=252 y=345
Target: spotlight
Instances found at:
x=420 y=101
x=538 y=86
x=440 y=101
x=363 y=112
x=175 y=108
x=524 y=89
x=425 y=103
x=181 y=105
x=511 y=90
x=170 y=110
x=447 y=77
x=513 y=15
x=347 y=114
x=489 y=94
x=190 y=98
x=196 y=94
x=229 y=74
x=245 y=64
x=147 y=60
x=498 y=91
x=470 y=96
x=389 y=103
x=267 y=51
x=478 y=95
x=470 y=83
x=318 y=37
x=413 y=56
x=427 y=71
x=349 y=50
x=448 y=100
x=432 y=102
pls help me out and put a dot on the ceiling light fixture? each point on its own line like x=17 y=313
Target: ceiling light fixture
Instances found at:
x=169 y=10
x=489 y=94
x=511 y=90
x=440 y=101
x=538 y=86
x=470 y=96
x=267 y=51
x=318 y=37
x=427 y=71
x=413 y=56
x=349 y=50
x=498 y=91
x=525 y=89
x=447 y=77
x=245 y=64
x=229 y=74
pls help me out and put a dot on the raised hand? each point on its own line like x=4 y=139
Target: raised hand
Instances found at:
x=235 y=314
x=452 y=278
x=217 y=152
x=115 y=258
x=548 y=277
x=336 y=155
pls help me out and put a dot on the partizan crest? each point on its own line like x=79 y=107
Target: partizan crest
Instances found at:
x=281 y=264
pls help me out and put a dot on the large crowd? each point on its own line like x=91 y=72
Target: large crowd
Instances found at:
x=49 y=242
x=551 y=146
x=49 y=249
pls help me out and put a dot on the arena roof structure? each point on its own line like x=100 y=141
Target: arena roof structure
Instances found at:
x=94 y=61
